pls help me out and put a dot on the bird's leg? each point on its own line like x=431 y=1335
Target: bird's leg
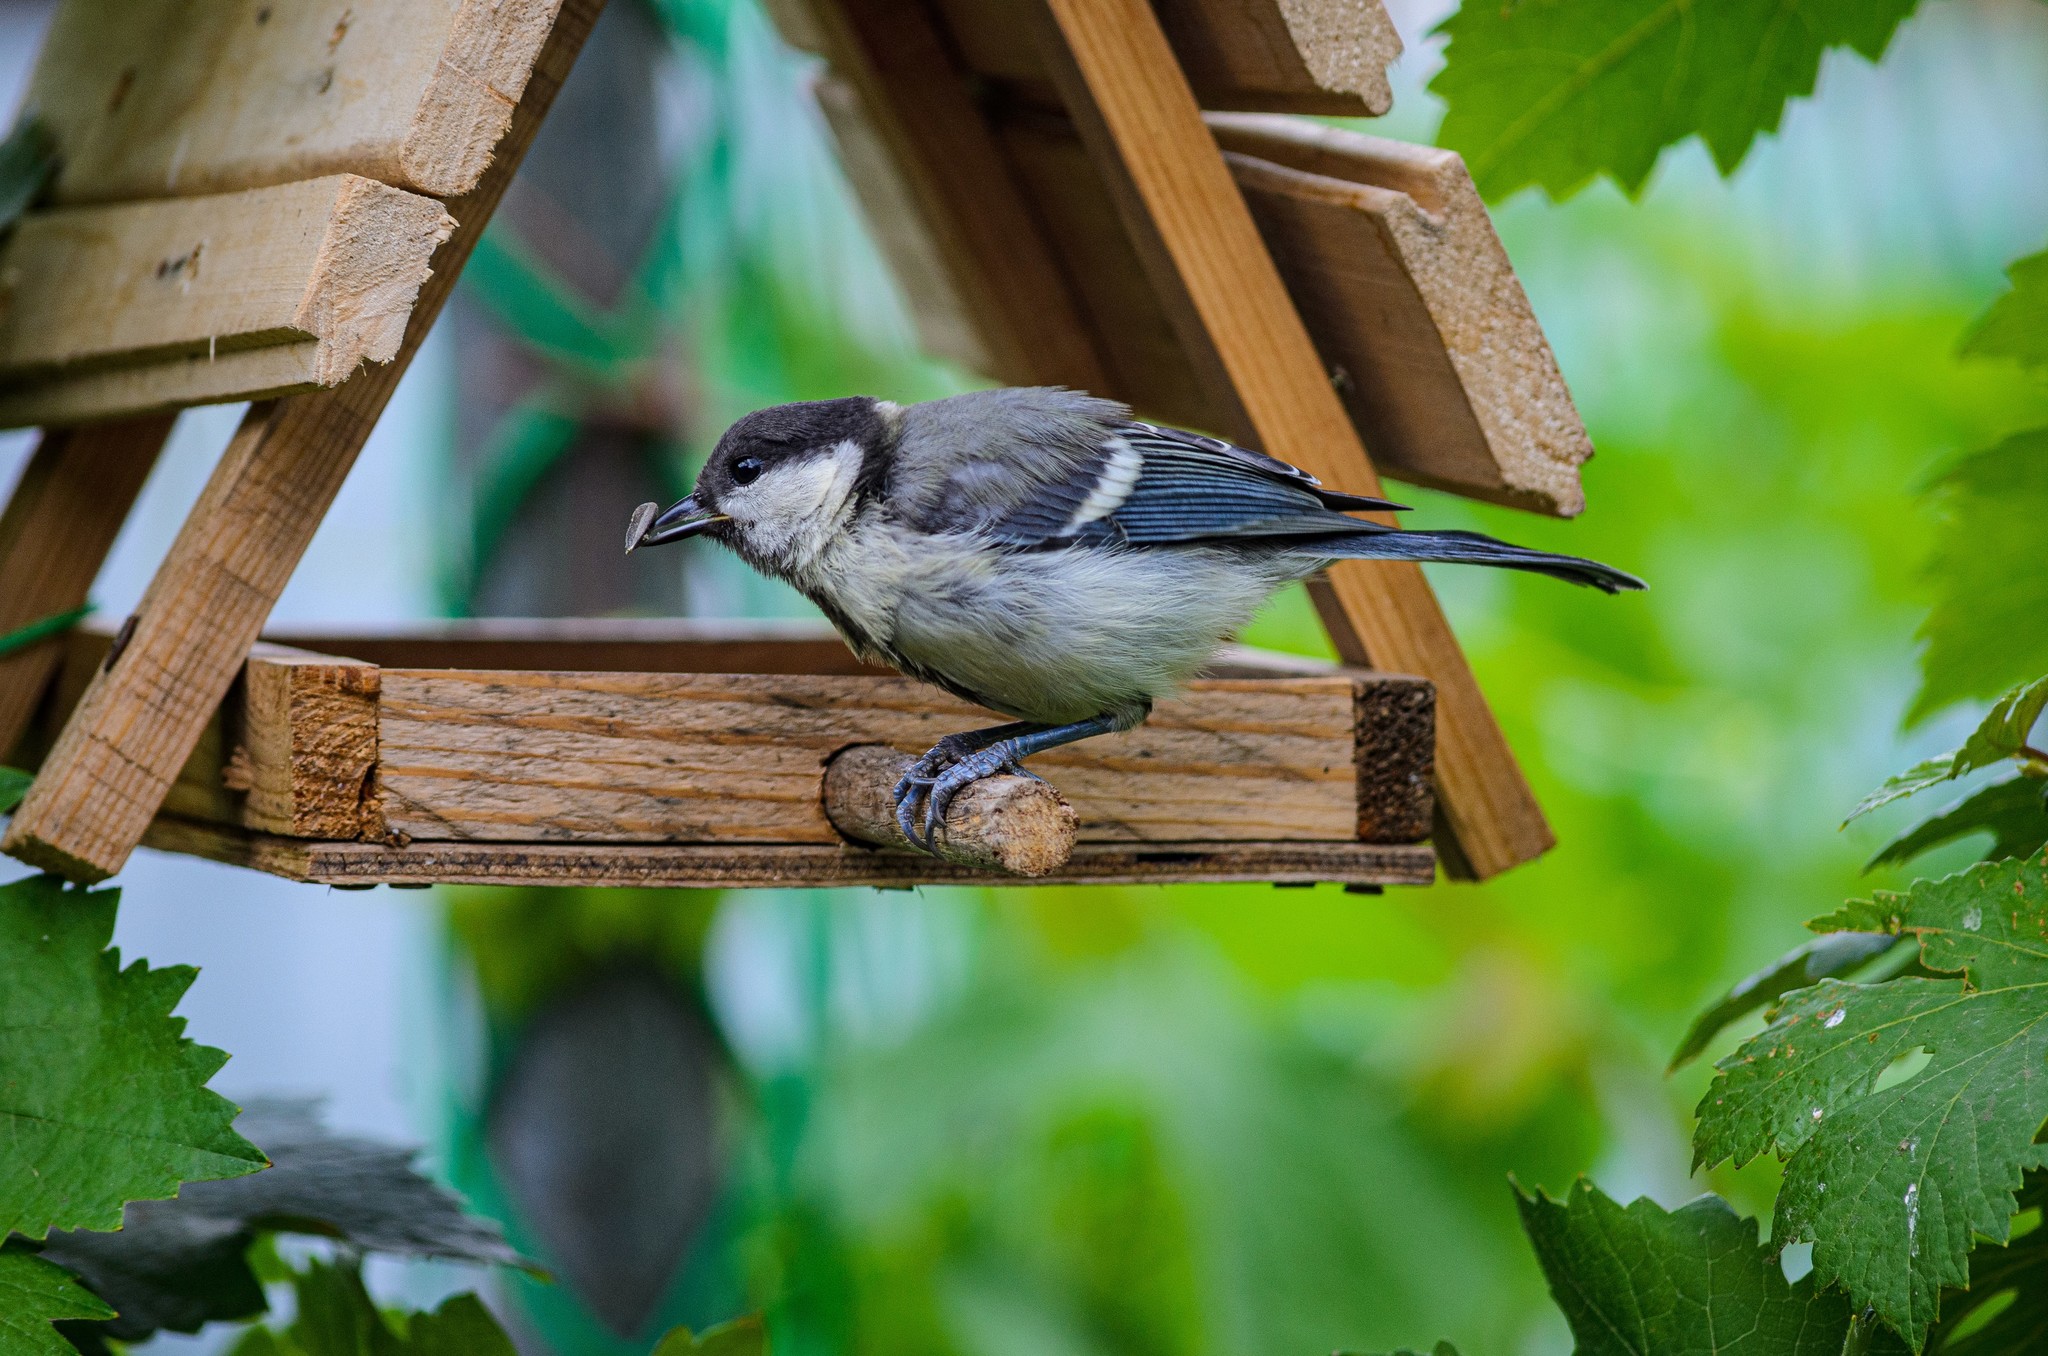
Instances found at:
x=919 y=777
x=1007 y=752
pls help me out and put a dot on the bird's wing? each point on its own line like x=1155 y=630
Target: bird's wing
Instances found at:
x=1148 y=485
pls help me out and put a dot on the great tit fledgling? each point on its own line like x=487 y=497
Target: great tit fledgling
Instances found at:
x=1034 y=550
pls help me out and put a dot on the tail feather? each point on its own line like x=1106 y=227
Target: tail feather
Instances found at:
x=1474 y=548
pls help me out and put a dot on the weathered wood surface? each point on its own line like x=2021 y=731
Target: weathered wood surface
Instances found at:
x=1135 y=111
x=1012 y=824
x=156 y=98
x=530 y=756
x=1391 y=258
x=59 y=524
x=139 y=722
x=704 y=866
x=179 y=283
x=1298 y=56
x=592 y=645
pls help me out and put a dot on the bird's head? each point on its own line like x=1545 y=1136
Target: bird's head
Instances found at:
x=781 y=482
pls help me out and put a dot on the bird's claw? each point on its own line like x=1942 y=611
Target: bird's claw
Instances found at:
x=950 y=767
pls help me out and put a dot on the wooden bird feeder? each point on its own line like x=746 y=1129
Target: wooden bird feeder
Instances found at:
x=270 y=200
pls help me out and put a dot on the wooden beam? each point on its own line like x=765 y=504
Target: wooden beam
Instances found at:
x=697 y=866
x=1117 y=74
x=157 y=98
x=141 y=718
x=1017 y=825
x=336 y=261
x=918 y=101
x=59 y=524
x=1391 y=258
x=1289 y=56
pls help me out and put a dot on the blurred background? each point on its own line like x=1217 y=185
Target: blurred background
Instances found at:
x=1160 y=1122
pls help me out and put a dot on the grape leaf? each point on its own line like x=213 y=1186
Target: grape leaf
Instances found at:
x=2019 y=1269
x=2016 y=326
x=2000 y=735
x=741 y=1337
x=1892 y=1184
x=183 y=1263
x=336 y=1317
x=33 y=1295
x=1639 y=1280
x=1984 y=632
x=1822 y=958
x=14 y=784
x=2014 y=811
x=1553 y=92
x=102 y=1099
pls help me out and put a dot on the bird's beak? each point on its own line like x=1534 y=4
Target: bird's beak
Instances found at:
x=684 y=518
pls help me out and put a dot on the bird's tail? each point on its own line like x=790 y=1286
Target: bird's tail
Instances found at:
x=1473 y=548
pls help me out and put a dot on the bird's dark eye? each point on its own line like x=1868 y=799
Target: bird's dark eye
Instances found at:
x=746 y=470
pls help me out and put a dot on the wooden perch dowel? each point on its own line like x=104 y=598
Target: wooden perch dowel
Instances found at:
x=1007 y=823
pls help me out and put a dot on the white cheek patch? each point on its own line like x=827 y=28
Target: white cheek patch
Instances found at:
x=795 y=509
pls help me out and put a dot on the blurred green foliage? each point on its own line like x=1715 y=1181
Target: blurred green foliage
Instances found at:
x=1243 y=1120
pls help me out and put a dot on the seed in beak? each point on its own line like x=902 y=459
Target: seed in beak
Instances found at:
x=636 y=528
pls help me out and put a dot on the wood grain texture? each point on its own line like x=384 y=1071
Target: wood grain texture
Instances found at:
x=523 y=756
x=706 y=867
x=1008 y=823
x=337 y=261
x=1393 y=262
x=157 y=98
x=303 y=748
x=75 y=395
x=917 y=102
x=139 y=721
x=1296 y=56
x=1134 y=109
x=59 y=524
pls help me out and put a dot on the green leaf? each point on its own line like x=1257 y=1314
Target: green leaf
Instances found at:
x=1639 y=1280
x=336 y=1317
x=33 y=1295
x=2016 y=326
x=24 y=636
x=2019 y=1269
x=14 y=784
x=1440 y=1349
x=2000 y=735
x=1984 y=633
x=741 y=1337
x=1891 y=1184
x=183 y=1263
x=1822 y=958
x=1553 y=92
x=2013 y=811
x=27 y=159
x=102 y=1099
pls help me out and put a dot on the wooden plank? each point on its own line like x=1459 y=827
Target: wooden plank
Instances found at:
x=707 y=867
x=1391 y=258
x=84 y=394
x=59 y=524
x=154 y=98
x=1134 y=109
x=303 y=748
x=522 y=756
x=139 y=721
x=1290 y=56
x=337 y=261
x=912 y=93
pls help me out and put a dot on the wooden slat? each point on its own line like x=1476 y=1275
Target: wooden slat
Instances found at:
x=337 y=261
x=1134 y=109
x=700 y=866
x=1292 y=56
x=971 y=216
x=58 y=526
x=525 y=757
x=140 y=720
x=1391 y=258
x=302 y=745
x=593 y=645
x=154 y=98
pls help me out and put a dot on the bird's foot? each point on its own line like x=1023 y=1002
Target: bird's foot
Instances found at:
x=992 y=761
x=921 y=778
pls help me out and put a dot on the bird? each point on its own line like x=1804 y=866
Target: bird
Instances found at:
x=1035 y=550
